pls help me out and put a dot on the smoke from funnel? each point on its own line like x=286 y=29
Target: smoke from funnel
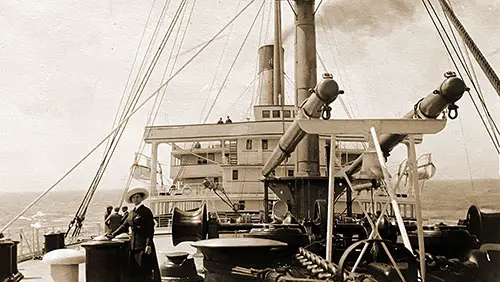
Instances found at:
x=367 y=16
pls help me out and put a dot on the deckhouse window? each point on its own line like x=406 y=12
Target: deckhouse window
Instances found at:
x=276 y=114
x=235 y=174
x=286 y=114
x=266 y=114
x=249 y=144
x=211 y=156
x=290 y=172
x=265 y=144
x=202 y=160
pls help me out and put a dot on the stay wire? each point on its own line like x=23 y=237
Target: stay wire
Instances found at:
x=460 y=74
x=89 y=195
x=317 y=7
x=461 y=58
x=255 y=95
x=233 y=64
x=340 y=98
x=133 y=64
x=218 y=66
x=233 y=107
x=120 y=124
x=147 y=53
x=119 y=133
x=291 y=7
x=325 y=22
x=170 y=65
x=158 y=100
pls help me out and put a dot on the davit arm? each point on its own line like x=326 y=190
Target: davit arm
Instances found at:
x=431 y=106
x=325 y=92
x=450 y=91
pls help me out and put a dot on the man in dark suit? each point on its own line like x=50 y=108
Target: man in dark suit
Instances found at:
x=114 y=220
x=143 y=263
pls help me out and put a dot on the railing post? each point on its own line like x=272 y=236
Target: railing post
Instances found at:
x=21 y=243
x=38 y=250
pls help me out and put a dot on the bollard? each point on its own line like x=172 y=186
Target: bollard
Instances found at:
x=64 y=264
x=124 y=257
x=178 y=267
x=54 y=241
x=102 y=260
x=5 y=259
x=16 y=275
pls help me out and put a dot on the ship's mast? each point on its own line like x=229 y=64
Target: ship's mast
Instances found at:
x=278 y=93
x=305 y=79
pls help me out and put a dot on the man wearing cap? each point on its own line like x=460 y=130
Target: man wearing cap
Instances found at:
x=143 y=263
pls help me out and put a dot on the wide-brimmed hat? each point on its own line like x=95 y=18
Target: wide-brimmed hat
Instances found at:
x=136 y=190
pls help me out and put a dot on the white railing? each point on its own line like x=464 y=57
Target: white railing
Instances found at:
x=32 y=240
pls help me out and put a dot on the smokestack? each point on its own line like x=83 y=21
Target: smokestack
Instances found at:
x=305 y=79
x=266 y=56
x=266 y=73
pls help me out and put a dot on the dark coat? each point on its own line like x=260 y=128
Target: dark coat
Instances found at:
x=143 y=267
x=114 y=221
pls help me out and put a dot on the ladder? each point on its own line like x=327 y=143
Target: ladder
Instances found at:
x=233 y=152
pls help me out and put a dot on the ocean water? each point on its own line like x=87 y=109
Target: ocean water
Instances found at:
x=54 y=211
x=443 y=200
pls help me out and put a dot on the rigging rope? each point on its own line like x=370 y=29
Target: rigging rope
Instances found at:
x=491 y=133
x=80 y=214
x=317 y=7
x=268 y=19
x=222 y=86
x=339 y=66
x=255 y=95
x=466 y=154
x=233 y=64
x=291 y=7
x=158 y=101
x=233 y=107
x=79 y=218
x=132 y=67
x=125 y=119
x=488 y=70
x=340 y=98
x=218 y=66
x=475 y=83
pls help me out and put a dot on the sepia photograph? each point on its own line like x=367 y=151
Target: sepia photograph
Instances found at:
x=250 y=140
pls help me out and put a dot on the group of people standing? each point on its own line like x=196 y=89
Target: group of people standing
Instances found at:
x=113 y=220
x=228 y=120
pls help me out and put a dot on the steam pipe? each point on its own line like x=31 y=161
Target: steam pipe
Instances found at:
x=450 y=91
x=325 y=93
x=307 y=155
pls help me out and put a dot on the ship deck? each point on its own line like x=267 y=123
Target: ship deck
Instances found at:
x=37 y=270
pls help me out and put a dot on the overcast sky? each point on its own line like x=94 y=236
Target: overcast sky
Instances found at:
x=65 y=64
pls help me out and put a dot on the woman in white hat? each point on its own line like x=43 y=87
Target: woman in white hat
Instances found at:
x=143 y=263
